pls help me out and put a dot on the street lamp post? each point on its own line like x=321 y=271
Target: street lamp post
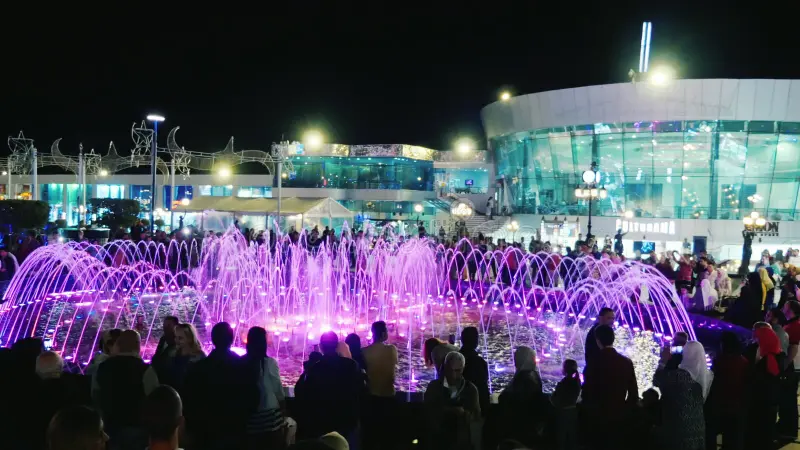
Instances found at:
x=155 y=118
x=590 y=191
x=461 y=211
x=513 y=227
x=418 y=210
x=752 y=224
x=172 y=192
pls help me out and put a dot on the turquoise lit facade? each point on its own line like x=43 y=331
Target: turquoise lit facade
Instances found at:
x=714 y=149
x=360 y=172
x=671 y=169
x=378 y=182
x=462 y=181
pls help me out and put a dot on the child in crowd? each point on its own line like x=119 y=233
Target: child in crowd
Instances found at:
x=564 y=399
x=650 y=420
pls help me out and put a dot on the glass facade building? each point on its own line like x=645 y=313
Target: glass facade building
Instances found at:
x=407 y=175
x=688 y=169
x=462 y=181
x=365 y=172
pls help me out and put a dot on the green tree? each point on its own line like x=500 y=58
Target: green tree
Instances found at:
x=115 y=213
x=16 y=215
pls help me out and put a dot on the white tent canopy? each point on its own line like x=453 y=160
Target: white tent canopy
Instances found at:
x=330 y=208
x=297 y=211
x=310 y=207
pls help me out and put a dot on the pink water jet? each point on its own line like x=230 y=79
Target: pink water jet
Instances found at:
x=68 y=293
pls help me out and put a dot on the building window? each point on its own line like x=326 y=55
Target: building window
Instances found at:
x=254 y=192
x=110 y=191
x=182 y=193
x=141 y=193
x=207 y=190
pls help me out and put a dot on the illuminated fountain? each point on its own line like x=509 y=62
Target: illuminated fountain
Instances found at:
x=68 y=293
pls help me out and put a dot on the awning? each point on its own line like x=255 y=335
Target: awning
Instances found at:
x=309 y=207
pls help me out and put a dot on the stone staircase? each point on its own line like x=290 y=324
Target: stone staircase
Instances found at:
x=478 y=223
x=481 y=224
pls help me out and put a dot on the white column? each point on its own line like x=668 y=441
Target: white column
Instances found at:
x=82 y=180
x=64 y=201
x=280 y=183
x=172 y=193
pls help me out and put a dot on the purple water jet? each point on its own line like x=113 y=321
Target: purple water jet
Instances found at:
x=68 y=293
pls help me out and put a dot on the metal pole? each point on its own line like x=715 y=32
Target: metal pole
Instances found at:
x=280 y=183
x=9 y=194
x=153 y=159
x=172 y=191
x=35 y=172
x=330 y=214
x=82 y=181
x=589 y=230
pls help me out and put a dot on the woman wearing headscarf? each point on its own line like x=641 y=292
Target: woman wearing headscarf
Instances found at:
x=764 y=388
x=768 y=287
x=523 y=406
x=705 y=297
x=683 y=393
x=723 y=283
x=747 y=308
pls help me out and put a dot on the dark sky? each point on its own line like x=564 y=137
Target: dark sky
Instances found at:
x=364 y=75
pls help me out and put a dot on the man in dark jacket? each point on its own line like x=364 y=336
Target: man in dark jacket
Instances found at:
x=165 y=350
x=331 y=393
x=606 y=316
x=476 y=370
x=610 y=391
x=52 y=390
x=218 y=398
x=119 y=388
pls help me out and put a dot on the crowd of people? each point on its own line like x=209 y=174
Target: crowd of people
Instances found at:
x=184 y=397
x=345 y=397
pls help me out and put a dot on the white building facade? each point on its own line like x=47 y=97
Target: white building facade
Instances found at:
x=687 y=159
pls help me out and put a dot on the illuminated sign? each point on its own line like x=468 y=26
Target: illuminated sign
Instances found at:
x=667 y=227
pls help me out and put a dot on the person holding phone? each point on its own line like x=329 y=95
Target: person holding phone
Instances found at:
x=678 y=342
x=683 y=393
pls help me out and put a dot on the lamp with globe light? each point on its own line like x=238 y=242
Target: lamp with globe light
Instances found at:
x=590 y=191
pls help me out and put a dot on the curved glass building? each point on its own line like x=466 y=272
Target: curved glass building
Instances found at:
x=711 y=149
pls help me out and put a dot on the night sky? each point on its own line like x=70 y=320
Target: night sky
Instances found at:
x=373 y=75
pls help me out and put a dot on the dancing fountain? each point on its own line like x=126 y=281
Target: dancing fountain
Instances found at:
x=68 y=293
